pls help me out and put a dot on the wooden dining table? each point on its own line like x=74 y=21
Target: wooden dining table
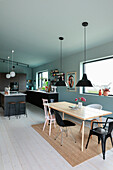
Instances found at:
x=84 y=113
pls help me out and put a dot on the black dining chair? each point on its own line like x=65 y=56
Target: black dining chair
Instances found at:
x=63 y=124
x=102 y=132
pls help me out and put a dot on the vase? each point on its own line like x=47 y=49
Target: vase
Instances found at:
x=100 y=92
x=79 y=105
x=105 y=93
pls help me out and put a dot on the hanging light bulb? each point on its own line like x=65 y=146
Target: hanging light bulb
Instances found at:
x=12 y=73
x=8 y=75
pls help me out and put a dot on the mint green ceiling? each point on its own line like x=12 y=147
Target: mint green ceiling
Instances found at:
x=32 y=27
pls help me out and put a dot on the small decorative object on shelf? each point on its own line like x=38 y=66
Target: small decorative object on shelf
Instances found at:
x=46 y=88
x=55 y=73
x=80 y=101
x=100 y=92
x=106 y=92
x=49 y=88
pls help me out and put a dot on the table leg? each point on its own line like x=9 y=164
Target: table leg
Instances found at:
x=100 y=118
x=63 y=116
x=82 y=136
x=81 y=127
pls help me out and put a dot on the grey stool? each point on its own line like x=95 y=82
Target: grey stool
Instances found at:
x=22 y=108
x=11 y=109
x=51 y=100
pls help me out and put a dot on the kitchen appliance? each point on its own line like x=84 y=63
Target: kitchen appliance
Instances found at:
x=54 y=89
x=14 y=86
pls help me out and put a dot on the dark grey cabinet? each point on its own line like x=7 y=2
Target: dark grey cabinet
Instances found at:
x=5 y=99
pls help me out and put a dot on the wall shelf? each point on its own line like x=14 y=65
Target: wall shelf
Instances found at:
x=56 y=75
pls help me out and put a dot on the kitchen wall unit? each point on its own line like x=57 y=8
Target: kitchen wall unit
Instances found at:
x=20 y=78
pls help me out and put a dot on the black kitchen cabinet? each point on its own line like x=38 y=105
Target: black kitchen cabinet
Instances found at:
x=35 y=97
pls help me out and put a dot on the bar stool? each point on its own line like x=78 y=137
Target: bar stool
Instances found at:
x=22 y=108
x=11 y=107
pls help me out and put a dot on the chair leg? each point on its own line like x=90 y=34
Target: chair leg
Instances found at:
x=61 y=138
x=61 y=132
x=98 y=140
x=111 y=140
x=44 y=124
x=88 y=140
x=47 y=122
x=57 y=134
x=54 y=123
x=50 y=128
x=103 y=143
x=26 y=113
x=72 y=135
x=92 y=123
x=66 y=132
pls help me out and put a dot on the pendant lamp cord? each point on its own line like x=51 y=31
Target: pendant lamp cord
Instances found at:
x=12 y=59
x=8 y=65
x=85 y=25
x=85 y=44
x=61 y=55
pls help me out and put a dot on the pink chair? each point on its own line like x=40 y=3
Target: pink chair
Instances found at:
x=48 y=117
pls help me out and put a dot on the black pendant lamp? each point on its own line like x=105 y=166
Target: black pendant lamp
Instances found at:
x=84 y=82
x=60 y=82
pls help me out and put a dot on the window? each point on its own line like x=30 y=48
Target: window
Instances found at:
x=99 y=72
x=42 y=79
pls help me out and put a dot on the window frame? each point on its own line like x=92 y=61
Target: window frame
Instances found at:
x=38 y=78
x=91 y=61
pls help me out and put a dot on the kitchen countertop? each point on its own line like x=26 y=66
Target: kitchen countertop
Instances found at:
x=41 y=91
x=13 y=94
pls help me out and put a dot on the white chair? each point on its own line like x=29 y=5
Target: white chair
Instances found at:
x=95 y=106
x=45 y=101
x=48 y=117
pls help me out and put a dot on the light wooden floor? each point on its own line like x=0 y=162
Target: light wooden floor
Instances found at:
x=22 y=148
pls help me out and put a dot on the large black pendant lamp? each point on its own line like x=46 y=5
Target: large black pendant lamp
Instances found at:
x=60 y=82
x=84 y=82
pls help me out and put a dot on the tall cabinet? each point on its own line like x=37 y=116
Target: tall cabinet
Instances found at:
x=20 y=78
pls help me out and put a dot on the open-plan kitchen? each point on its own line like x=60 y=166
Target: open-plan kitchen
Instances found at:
x=56 y=85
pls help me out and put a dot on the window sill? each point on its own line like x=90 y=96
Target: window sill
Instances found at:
x=95 y=95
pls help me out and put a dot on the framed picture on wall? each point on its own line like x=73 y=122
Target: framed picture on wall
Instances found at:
x=71 y=81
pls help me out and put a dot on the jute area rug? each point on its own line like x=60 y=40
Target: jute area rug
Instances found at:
x=70 y=150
